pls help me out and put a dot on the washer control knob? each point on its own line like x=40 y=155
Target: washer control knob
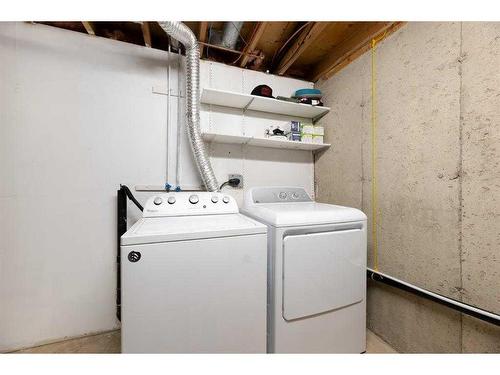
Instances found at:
x=193 y=199
x=171 y=200
x=295 y=195
x=225 y=199
x=282 y=195
x=215 y=199
x=158 y=201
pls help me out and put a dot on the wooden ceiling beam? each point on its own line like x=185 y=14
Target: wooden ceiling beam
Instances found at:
x=303 y=42
x=252 y=44
x=88 y=26
x=202 y=36
x=146 y=34
x=347 y=50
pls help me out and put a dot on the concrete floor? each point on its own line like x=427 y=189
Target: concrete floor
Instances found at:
x=375 y=345
x=109 y=342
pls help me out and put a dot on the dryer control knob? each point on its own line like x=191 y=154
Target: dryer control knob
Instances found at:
x=215 y=199
x=193 y=199
x=225 y=199
x=171 y=200
x=282 y=195
x=158 y=201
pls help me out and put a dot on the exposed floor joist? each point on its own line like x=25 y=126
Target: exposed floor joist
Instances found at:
x=202 y=35
x=304 y=50
x=259 y=30
x=146 y=34
x=304 y=41
x=88 y=26
x=351 y=48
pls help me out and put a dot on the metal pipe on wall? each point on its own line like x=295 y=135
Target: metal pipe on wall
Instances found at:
x=183 y=34
x=179 y=122
x=168 y=113
x=465 y=308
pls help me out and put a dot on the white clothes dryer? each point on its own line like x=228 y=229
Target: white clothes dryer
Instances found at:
x=316 y=272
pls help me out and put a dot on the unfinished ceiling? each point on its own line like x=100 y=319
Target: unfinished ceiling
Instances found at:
x=306 y=50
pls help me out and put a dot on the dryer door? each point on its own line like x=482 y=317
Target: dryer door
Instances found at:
x=323 y=272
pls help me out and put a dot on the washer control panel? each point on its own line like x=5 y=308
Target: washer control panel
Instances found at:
x=189 y=203
x=277 y=195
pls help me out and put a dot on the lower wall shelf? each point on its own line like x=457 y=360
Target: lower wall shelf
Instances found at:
x=263 y=142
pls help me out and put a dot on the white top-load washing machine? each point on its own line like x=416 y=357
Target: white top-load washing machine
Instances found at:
x=193 y=277
x=317 y=272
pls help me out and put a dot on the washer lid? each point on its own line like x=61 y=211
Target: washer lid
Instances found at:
x=179 y=228
x=302 y=213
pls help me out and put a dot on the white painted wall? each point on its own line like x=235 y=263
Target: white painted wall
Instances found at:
x=279 y=167
x=259 y=166
x=77 y=118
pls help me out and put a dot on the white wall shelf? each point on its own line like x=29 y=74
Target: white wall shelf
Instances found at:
x=262 y=104
x=263 y=142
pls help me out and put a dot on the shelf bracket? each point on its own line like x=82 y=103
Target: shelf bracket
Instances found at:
x=247 y=105
x=318 y=117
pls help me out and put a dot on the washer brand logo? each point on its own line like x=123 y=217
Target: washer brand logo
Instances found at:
x=134 y=256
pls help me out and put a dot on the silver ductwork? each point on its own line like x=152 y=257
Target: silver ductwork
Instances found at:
x=231 y=34
x=183 y=34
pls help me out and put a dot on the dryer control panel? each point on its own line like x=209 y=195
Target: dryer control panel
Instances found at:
x=277 y=194
x=189 y=203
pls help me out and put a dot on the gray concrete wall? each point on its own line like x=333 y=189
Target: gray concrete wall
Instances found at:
x=438 y=137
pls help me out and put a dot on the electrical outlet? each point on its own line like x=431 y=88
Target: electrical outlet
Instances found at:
x=240 y=176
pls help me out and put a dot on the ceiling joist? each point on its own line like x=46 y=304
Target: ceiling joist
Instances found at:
x=202 y=36
x=350 y=46
x=88 y=26
x=252 y=44
x=303 y=42
x=304 y=50
x=146 y=34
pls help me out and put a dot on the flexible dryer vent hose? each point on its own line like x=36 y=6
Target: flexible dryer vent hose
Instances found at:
x=183 y=34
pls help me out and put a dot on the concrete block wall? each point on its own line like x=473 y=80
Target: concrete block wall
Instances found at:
x=438 y=137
